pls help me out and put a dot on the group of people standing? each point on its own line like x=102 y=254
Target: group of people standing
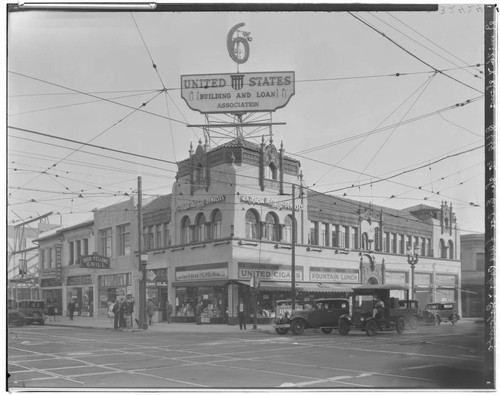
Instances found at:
x=151 y=308
x=123 y=310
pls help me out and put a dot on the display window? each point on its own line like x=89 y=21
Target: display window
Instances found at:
x=213 y=303
x=84 y=300
x=53 y=297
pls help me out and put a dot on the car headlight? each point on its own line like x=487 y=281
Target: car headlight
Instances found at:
x=362 y=318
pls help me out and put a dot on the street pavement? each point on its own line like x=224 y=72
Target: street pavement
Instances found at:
x=80 y=354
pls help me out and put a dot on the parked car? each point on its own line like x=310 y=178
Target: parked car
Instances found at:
x=324 y=314
x=33 y=310
x=413 y=316
x=435 y=313
x=388 y=316
x=15 y=317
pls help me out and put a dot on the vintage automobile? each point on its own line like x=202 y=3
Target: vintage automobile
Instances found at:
x=413 y=317
x=15 y=317
x=324 y=313
x=392 y=315
x=33 y=310
x=435 y=313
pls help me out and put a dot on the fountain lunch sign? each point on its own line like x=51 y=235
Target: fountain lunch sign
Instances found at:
x=238 y=92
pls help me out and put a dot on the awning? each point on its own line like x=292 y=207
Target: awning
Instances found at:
x=215 y=283
x=324 y=287
x=300 y=286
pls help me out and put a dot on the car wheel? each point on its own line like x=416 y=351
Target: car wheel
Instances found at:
x=413 y=322
x=281 y=331
x=371 y=328
x=298 y=327
x=400 y=325
x=437 y=320
x=454 y=319
x=327 y=330
x=37 y=317
x=344 y=326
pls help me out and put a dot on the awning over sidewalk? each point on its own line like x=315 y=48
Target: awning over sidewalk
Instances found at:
x=300 y=286
x=215 y=283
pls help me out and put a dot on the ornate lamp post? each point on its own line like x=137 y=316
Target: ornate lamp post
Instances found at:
x=412 y=255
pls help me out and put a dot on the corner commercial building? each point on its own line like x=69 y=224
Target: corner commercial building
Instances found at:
x=229 y=218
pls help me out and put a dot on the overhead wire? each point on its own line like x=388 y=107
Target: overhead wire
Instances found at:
x=410 y=53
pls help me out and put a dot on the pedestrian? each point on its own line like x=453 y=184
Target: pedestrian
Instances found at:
x=242 y=315
x=51 y=312
x=71 y=309
x=116 y=312
x=169 y=309
x=199 y=309
x=151 y=310
x=122 y=313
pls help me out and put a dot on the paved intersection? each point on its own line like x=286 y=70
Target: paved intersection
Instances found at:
x=61 y=357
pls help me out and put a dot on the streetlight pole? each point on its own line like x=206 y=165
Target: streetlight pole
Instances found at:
x=143 y=321
x=293 y=247
x=412 y=255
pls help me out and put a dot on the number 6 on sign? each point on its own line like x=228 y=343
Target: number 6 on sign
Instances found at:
x=238 y=48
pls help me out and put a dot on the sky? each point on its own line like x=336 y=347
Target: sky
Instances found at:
x=388 y=106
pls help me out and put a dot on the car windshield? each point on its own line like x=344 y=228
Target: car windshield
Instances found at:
x=31 y=304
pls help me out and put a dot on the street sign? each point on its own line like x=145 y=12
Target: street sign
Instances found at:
x=150 y=275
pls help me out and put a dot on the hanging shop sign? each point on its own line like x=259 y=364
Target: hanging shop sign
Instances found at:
x=94 y=262
x=240 y=92
x=247 y=270
x=58 y=250
x=273 y=203
x=200 y=203
x=202 y=272
x=157 y=278
x=324 y=274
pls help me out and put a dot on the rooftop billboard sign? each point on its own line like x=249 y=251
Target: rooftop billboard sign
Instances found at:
x=238 y=92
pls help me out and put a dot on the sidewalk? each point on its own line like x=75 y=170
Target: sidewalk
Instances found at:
x=190 y=327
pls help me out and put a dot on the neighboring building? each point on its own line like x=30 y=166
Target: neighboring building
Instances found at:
x=473 y=274
x=22 y=265
x=229 y=219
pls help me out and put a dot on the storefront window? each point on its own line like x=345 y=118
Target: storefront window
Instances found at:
x=185 y=301
x=83 y=298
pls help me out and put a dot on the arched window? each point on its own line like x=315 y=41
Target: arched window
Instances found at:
x=364 y=241
x=442 y=248
x=287 y=229
x=271 y=228
x=252 y=225
x=450 y=248
x=185 y=230
x=199 y=174
x=272 y=172
x=216 y=226
x=377 y=239
x=199 y=228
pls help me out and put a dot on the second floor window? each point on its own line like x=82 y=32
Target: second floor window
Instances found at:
x=200 y=231
x=186 y=230
x=271 y=230
x=287 y=229
x=124 y=239
x=251 y=225
x=216 y=225
x=105 y=236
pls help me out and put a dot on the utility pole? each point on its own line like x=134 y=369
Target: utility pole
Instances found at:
x=293 y=247
x=143 y=322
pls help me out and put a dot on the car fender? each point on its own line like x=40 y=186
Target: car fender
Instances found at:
x=346 y=317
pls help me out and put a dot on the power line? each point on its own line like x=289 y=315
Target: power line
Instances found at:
x=410 y=53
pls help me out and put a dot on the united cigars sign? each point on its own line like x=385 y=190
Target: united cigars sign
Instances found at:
x=238 y=92
x=94 y=262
